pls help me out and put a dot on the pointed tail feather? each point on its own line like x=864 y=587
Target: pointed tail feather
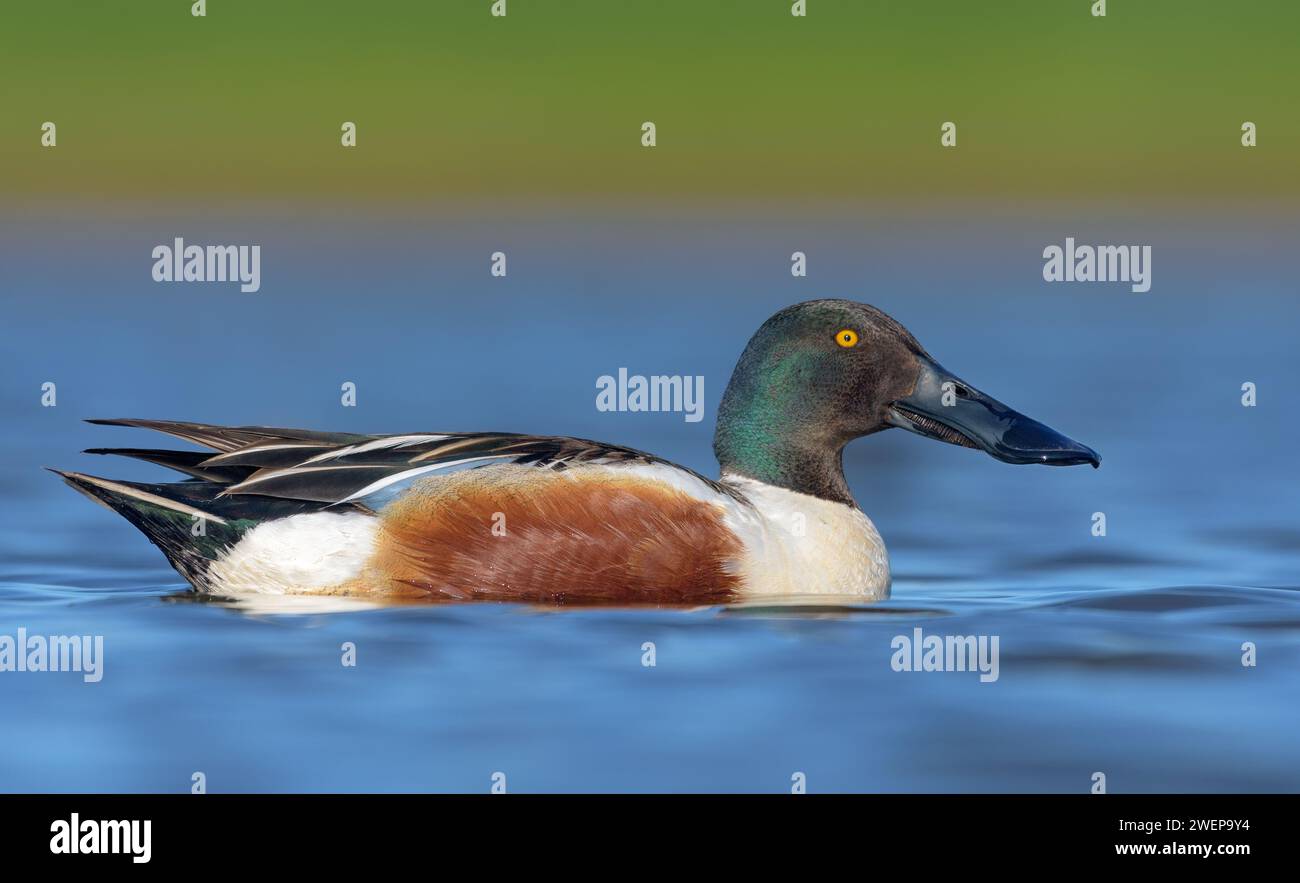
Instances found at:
x=229 y=438
x=171 y=516
x=192 y=522
x=188 y=462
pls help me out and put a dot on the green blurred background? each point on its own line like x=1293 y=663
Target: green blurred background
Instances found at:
x=151 y=102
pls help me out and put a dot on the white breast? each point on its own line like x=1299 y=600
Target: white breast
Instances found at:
x=795 y=544
x=798 y=544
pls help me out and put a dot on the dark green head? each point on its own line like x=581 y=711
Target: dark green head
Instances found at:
x=819 y=374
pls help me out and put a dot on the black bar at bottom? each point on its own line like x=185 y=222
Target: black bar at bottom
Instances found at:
x=303 y=831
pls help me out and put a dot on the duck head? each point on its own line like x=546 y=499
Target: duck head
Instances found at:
x=819 y=374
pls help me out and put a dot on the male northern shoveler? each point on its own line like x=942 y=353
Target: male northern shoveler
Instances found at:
x=500 y=516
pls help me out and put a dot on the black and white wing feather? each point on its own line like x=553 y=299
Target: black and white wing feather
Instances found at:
x=343 y=468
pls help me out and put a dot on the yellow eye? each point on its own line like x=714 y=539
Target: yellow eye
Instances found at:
x=846 y=337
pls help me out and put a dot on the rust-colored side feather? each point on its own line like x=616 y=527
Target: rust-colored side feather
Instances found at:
x=581 y=536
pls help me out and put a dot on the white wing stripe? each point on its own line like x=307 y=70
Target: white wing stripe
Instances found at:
x=251 y=449
x=379 y=444
x=294 y=470
x=411 y=473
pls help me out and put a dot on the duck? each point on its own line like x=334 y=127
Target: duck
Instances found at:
x=500 y=516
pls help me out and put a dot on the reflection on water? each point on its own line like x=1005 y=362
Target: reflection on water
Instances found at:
x=1119 y=654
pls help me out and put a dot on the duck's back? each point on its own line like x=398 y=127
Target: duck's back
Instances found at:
x=435 y=517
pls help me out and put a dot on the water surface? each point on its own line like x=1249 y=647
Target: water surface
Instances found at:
x=1120 y=654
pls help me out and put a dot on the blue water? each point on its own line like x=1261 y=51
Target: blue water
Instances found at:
x=1119 y=654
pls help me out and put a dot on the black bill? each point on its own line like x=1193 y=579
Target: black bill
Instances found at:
x=943 y=407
